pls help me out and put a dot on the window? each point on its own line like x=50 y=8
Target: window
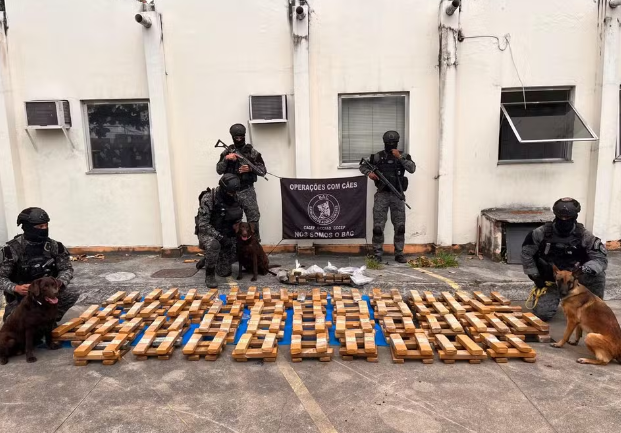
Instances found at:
x=119 y=136
x=541 y=129
x=363 y=120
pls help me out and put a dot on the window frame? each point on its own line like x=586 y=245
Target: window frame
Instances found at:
x=87 y=137
x=562 y=140
x=568 y=158
x=406 y=118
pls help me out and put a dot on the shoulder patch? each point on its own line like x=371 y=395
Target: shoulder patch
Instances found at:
x=598 y=245
x=6 y=253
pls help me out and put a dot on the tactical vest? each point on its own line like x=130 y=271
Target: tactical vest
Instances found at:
x=33 y=261
x=224 y=216
x=246 y=179
x=564 y=252
x=392 y=170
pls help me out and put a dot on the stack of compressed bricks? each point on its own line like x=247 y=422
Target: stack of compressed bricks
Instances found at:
x=195 y=304
x=265 y=328
x=354 y=328
x=310 y=329
x=105 y=334
x=217 y=328
x=439 y=318
x=396 y=320
x=318 y=278
x=498 y=317
x=456 y=324
x=98 y=334
x=164 y=333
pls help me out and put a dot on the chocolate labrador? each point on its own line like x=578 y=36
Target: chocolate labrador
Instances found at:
x=250 y=252
x=35 y=315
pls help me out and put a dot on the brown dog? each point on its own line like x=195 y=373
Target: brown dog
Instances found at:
x=250 y=253
x=35 y=314
x=584 y=310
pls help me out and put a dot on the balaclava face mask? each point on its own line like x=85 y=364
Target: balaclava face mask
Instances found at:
x=239 y=144
x=564 y=227
x=226 y=197
x=388 y=147
x=33 y=234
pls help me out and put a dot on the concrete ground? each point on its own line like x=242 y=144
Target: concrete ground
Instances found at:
x=98 y=279
x=555 y=394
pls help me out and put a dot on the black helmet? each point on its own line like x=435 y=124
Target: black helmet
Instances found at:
x=237 y=130
x=33 y=215
x=391 y=137
x=566 y=207
x=229 y=182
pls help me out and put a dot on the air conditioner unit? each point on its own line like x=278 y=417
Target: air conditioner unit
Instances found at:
x=268 y=109
x=48 y=114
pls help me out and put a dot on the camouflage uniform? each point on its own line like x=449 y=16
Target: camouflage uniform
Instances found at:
x=392 y=168
x=544 y=247
x=214 y=227
x=247 y=196
x=22 y=261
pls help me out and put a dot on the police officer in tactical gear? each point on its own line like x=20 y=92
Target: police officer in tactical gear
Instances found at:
x=393 y=165
x=229 y=163
x=566 y=244
x=34 y=255
x=218 y=213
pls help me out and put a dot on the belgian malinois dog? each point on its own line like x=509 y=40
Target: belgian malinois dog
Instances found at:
x=584 y=310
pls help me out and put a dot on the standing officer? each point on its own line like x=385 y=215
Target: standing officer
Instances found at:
x=33 y=255
x=218 y=213
x=566 y=244
x=229 y=163
x=393 y=165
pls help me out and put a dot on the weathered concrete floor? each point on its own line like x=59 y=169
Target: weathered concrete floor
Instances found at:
x=555 y=394
x=98 y=279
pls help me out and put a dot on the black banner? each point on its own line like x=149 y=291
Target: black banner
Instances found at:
x=324 y=208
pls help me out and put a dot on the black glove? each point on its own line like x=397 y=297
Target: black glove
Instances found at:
x=539 y=281
x=587 y=270
x=226 y=242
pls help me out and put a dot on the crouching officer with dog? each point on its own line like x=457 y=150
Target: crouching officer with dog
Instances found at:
x=393 y=165
x=218 y=213
x=34 y=255
x=230 y=163
x=567 y=244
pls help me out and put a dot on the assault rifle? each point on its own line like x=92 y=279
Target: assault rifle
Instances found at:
x=383 y=179
x=242 y=158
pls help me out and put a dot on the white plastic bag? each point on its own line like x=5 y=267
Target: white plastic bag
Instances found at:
x=315 y=270
x=349 y=270
x=358 y=277
x=298 y=269
x=330 y=269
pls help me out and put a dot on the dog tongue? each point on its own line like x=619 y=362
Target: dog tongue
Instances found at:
x=245 y=238
x=52 y=301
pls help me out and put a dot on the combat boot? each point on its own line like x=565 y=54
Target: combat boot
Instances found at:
x=210 y=278
x=399 y=258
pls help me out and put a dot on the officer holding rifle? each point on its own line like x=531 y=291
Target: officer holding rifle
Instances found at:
x=245 y=162
x=387 y=169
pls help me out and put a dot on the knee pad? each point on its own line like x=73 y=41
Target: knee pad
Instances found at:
x=377 y=231
x=400 y=230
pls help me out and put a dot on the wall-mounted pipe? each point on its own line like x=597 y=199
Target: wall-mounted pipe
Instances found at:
x=450 y=10
x=143 y=19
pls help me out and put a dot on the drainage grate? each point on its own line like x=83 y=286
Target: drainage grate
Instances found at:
x=188 y=272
